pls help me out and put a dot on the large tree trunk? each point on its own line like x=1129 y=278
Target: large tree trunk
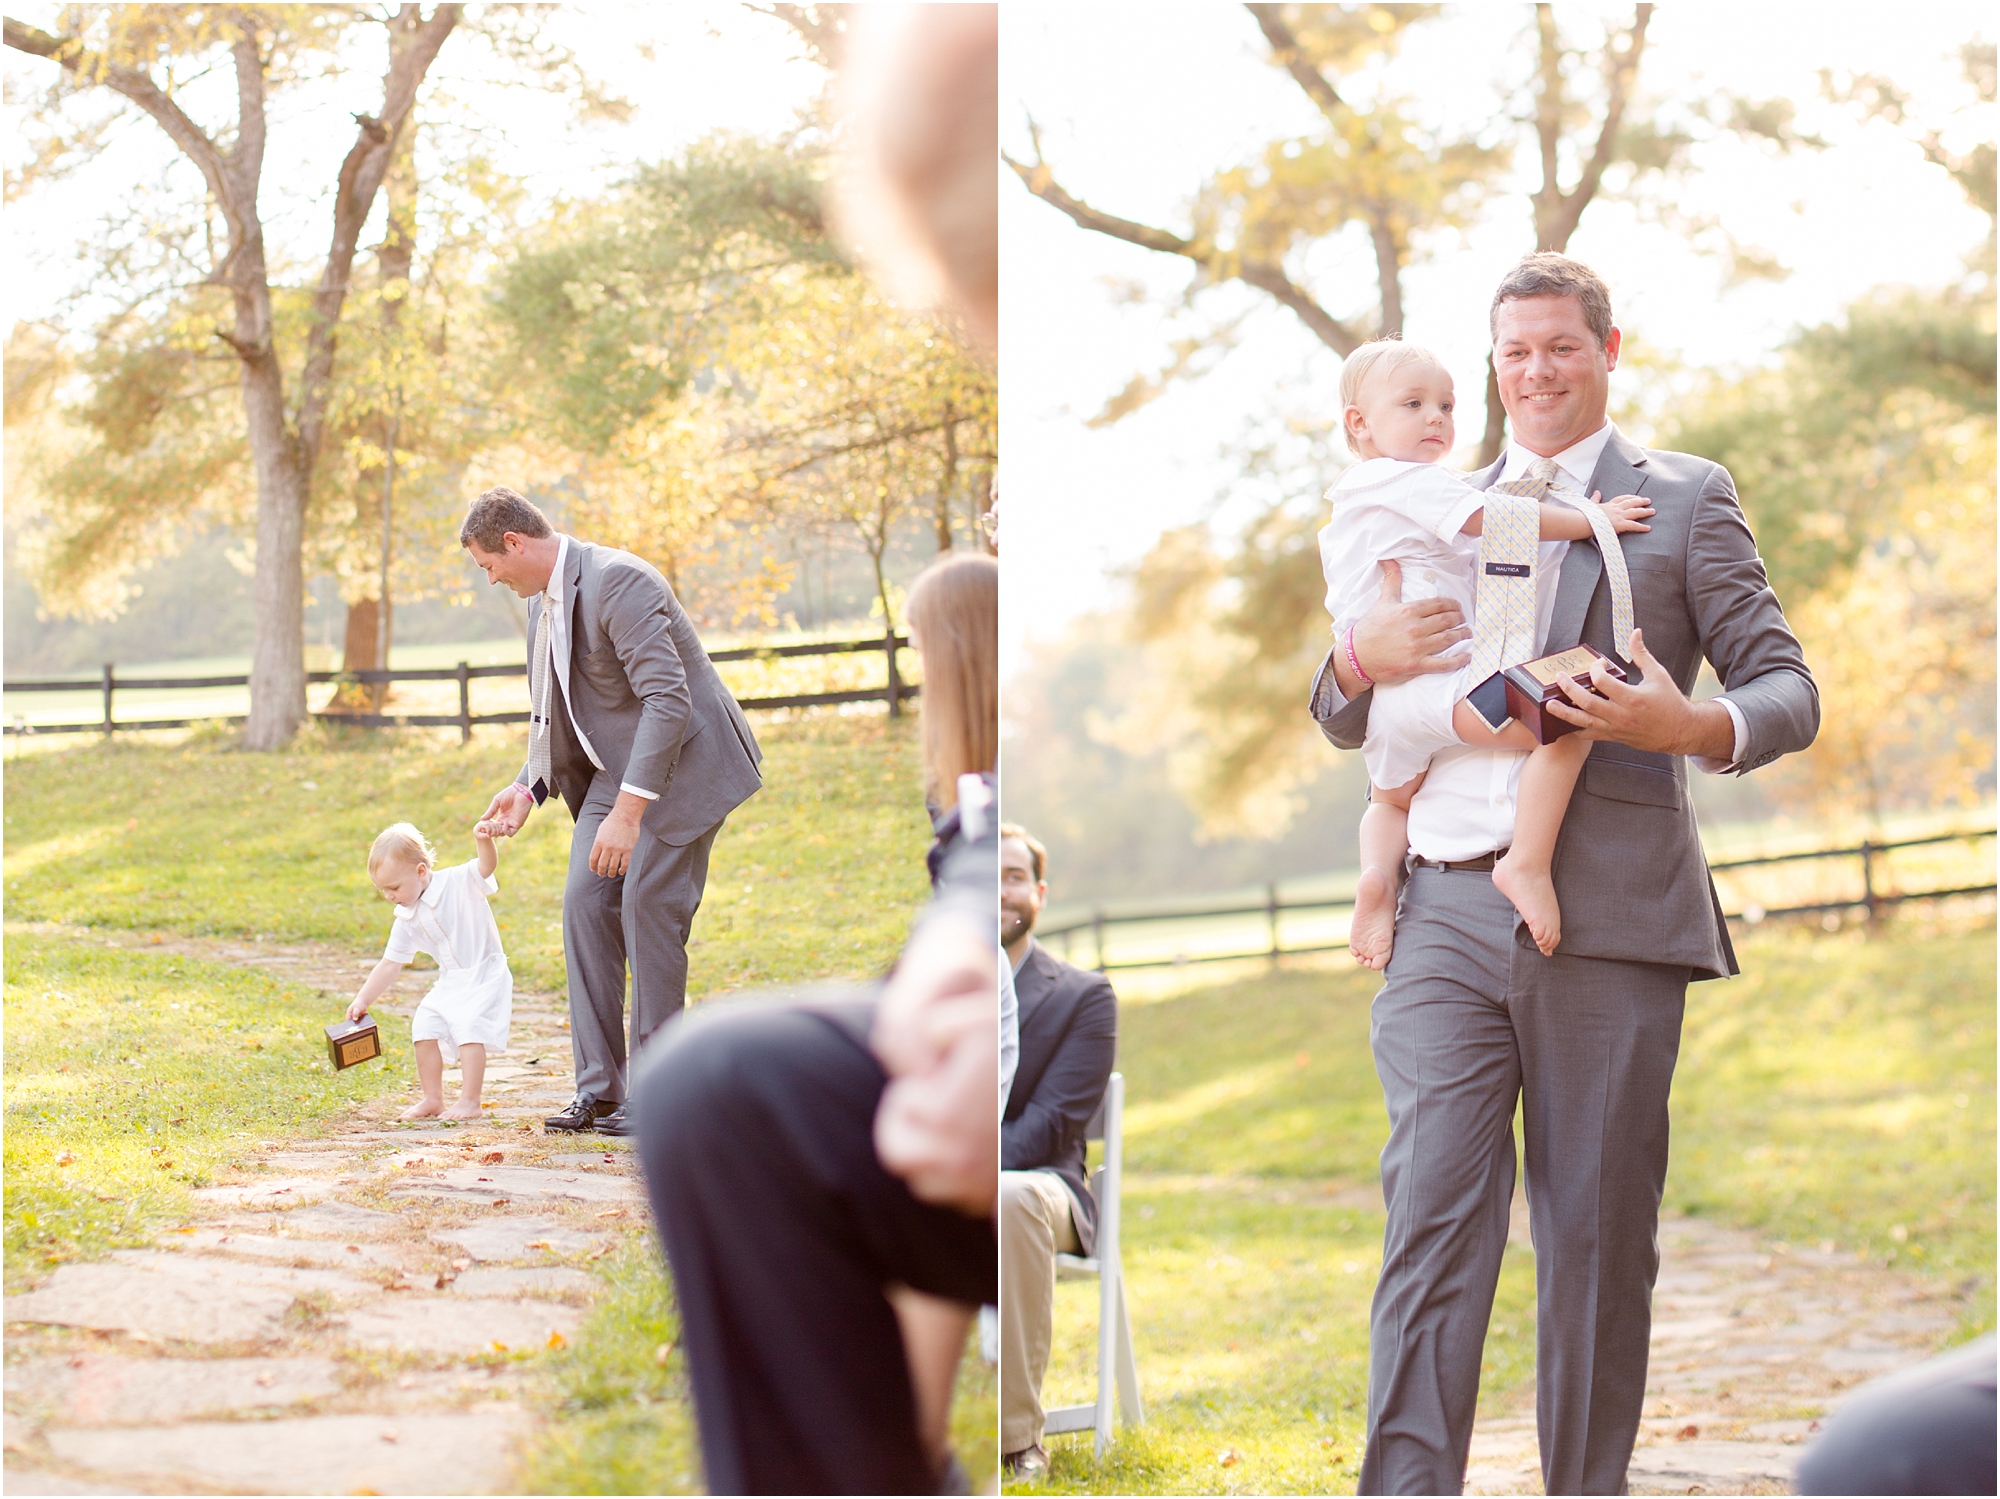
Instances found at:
x=277 y=669
x=278 y=655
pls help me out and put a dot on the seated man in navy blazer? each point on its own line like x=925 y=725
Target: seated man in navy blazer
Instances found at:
x=1069 y=1035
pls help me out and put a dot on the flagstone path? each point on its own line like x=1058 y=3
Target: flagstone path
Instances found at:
x=1753 y=1343
x=340 y=1314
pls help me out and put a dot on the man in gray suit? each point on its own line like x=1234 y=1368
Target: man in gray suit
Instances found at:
x=1472 y=1017
x=633 y=727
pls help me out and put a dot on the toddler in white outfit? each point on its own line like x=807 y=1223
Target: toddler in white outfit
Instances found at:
x=1400 y=505
x=443 y=912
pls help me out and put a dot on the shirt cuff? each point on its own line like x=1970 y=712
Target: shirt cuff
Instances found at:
x=1329 y=699
x=653 y=796
x=1739 y=744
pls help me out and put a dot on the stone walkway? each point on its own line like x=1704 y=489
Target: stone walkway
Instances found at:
x=1753 y=1342
x=341 y=1313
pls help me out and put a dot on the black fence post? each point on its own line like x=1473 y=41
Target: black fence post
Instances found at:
x=110 y=677
x=895 y=679
x=1271 y=916
x=1868 y=879
x=465 y=702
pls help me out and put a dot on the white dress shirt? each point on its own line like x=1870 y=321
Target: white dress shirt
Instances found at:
x=1466 y=805
x=558 y=618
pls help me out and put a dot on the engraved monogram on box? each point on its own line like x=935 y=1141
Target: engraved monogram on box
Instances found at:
x=351 y=1041
x=1533 y=685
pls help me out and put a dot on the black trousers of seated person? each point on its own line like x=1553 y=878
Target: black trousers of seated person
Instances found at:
x=756 y=1132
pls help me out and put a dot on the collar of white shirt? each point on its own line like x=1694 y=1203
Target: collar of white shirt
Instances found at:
x=554 y=588
x=1575 y=463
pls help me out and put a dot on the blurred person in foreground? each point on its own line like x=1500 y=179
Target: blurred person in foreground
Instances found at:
x=1068 y=1041
x=1927 y=1430
x=807 y=1160
x=823 y=1165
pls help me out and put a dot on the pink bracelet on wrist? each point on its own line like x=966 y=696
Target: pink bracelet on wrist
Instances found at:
x=1353 y=660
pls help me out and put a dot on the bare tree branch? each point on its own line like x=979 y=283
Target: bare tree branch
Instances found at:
x=135 y=85
x=1040 y=181
x=1558 y=213
x=413 y=45
x=1288 y=54
x=1264 y=275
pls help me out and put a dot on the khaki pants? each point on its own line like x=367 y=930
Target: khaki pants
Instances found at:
x=1035 y=1226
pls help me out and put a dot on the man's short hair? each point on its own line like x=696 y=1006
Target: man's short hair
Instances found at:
x=497 y=512
x=1036 y=852
x=1547 y=274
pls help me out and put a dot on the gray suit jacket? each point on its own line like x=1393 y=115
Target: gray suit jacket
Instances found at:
x=648 y=697
x=1629 y=868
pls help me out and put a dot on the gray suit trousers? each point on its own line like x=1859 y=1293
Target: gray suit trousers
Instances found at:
x=644 y=916
x=1470 y=1020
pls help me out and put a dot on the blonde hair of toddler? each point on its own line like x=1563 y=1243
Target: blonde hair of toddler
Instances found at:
x=402 y=843
x=1382 y=356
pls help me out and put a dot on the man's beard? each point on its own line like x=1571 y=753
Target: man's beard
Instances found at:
x=1015 y=924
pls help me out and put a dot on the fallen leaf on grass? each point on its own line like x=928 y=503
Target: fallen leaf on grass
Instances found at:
x=1230 y=1457
x=499 y=1202
x=67 y=1158
x=493 y=1158
x=1687 y=1433
x=541 y=1244
x=499 y=1347
x=354 y=1249
x=399 y=1285
x=613 y=1213
x=557 y=1340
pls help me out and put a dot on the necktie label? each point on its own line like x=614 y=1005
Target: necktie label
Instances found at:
x=1509 y=570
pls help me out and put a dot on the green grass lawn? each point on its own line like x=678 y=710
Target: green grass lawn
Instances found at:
x=815 y=876
x=1841 y=1090
x=129 y=1075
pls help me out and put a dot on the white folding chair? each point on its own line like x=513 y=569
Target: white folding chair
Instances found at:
x=1114 y=1328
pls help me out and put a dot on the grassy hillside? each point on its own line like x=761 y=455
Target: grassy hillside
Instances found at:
x=1841 y=1092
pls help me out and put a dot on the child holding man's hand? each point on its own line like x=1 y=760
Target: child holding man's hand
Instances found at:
x=443 y=912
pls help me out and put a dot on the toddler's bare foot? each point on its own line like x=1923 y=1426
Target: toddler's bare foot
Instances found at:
x=461 y=1110
x=1373 y=931
x=424 y=1108
x=1534 y=896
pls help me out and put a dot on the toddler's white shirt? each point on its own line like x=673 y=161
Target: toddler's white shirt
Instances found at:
x=450 y=920
x=1410 y=513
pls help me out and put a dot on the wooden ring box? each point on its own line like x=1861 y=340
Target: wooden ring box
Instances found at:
x=1533 y=685
x=351 y=1041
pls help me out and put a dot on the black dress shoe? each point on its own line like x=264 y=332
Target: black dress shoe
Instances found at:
x=583 y=1112
x=617 y=1122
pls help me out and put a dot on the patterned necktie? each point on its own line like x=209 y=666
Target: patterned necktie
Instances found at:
x=1503 y=613
x=541 y=678
x=1496 y=648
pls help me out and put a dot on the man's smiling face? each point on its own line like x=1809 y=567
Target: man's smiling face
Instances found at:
x=516 y=565
x=1555 y=377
